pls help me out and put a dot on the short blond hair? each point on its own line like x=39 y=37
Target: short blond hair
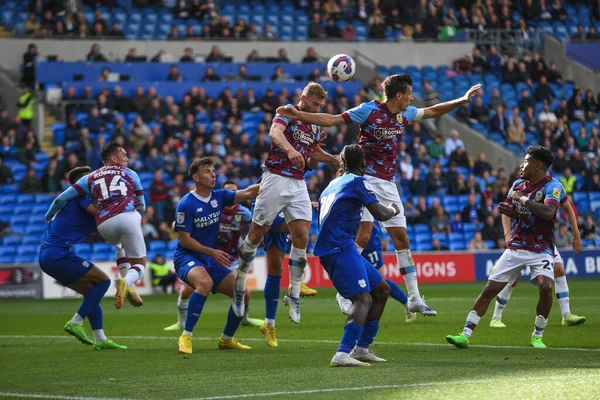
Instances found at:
x=315 y=89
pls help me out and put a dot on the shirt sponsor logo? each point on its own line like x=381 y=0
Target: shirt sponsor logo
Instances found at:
x=302 y=137
x=387 y=133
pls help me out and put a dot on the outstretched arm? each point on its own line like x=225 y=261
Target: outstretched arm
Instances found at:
x=320 y=119
x=60 y=202
x=572 y=219
x=247 y=194
x=444 y=108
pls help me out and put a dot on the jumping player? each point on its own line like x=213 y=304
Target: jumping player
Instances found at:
x=283 y=189
x=197 y=260
x=70 y=226
x=382 y=125
x=532 y=202
x=117 y=190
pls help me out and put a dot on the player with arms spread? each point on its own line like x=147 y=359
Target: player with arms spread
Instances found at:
x=532 y=202
x=340 y=207
x=283 y=189
x=561 y=288
x=197 y=260
x=382 y=125
x=117 y=190
x=68 y=227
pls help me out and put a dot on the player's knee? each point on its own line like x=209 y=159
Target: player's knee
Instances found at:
x=545 y=287
x=364 y=234
x=400 y=240
x=275 y=270
x=203 y=287
x=363 y=300
x=300 y=239
x=382 y=292
x=104 y=284
x=559 y=270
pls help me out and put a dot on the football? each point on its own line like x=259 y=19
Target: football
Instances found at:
x=341 y=67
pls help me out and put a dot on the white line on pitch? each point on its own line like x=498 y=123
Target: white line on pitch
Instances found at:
x=399 y=386
x=173 y=338
x=52 y=396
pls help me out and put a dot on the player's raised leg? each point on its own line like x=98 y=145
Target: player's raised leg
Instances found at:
x=247 y=252
x=182 y=307
x=125 y=266
x=299 y=233
x=227 y=341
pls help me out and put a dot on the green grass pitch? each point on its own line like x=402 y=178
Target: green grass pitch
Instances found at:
x=38 y=360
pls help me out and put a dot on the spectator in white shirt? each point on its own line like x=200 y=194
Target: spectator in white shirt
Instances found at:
x=406 y=166
x=453 y=142
x=547 y=115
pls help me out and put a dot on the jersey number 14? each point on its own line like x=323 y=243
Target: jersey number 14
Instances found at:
x=115 y=185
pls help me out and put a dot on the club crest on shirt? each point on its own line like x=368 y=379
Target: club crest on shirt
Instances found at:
x=238 y=218
x=180 y=217
x=556 y=193
x=538 y=195
x=400 y=117
x=214 y=203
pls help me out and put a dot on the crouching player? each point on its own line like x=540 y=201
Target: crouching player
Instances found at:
x=197 y=261
x=340 y=209
x=69 y=226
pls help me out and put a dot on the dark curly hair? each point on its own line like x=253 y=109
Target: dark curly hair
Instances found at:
x=542 y=154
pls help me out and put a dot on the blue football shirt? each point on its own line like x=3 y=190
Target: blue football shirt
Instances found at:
x=71 y=224
x=201 y=217
x=340 y=212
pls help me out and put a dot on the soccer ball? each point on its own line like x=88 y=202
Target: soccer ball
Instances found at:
x=341 y=68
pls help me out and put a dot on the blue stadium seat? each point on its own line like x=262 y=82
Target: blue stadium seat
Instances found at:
x=7 y=259
x=456 y=237
x=11 y=240
x=8 y=251
x=26 y=259
x=490 y=244
x=102 y=247
x=457 y=246
x=27 y=249
x=421 y=228
x=594 y=196
x=6 y=211
x=158 y=245
x=8 y=198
